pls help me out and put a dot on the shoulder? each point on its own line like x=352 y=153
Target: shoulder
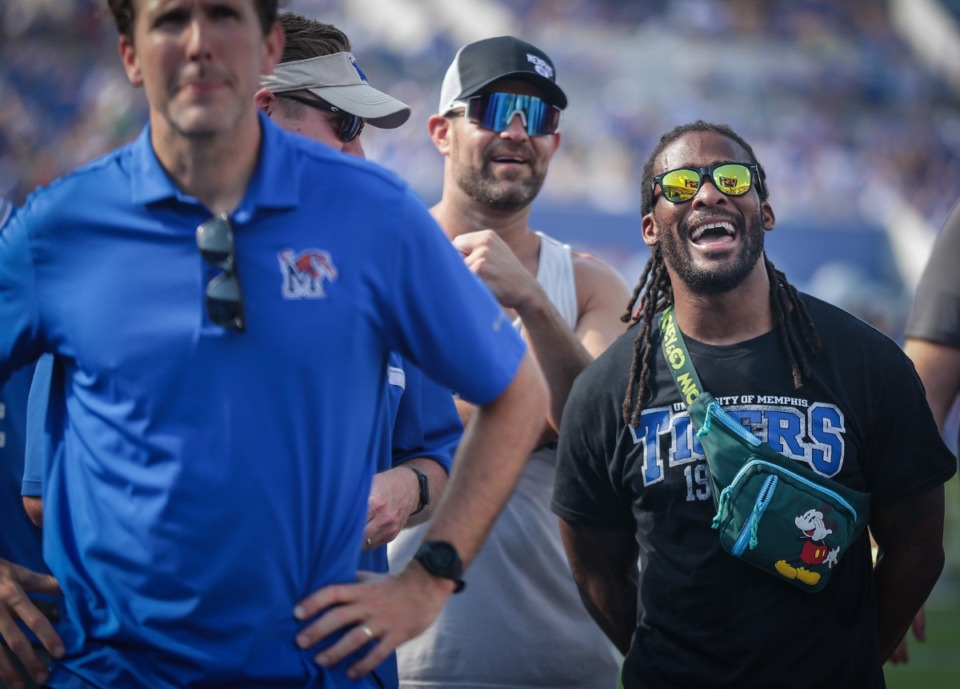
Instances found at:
x=607 y=374
x=90 y=188
x=836 y=324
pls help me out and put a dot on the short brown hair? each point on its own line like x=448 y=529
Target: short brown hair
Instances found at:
x=307 y=38
x=123 y=15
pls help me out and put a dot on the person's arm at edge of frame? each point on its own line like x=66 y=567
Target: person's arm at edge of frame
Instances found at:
x=604 y=566
x=938 y=366
x=910 y=538
x=397 y=607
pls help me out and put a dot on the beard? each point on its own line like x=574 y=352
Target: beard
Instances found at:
x=719 y=277
x=509 y=193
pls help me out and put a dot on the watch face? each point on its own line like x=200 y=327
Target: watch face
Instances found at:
x=443 y=556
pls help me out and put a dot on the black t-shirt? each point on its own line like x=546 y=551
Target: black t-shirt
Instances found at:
x=706 y=619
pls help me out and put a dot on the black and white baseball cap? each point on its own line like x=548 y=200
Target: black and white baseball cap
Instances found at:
x=338 y=80
x=477 y=65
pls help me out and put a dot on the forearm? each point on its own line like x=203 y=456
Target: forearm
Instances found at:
x=466 y=410
x=557 y=349
x=489 y=460
x=612 y=603
x=910 y=539
x=903 y=581
x=603 y=564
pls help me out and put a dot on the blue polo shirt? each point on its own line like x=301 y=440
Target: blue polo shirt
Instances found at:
x=209 y=479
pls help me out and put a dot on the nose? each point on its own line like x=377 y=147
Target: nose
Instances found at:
x=708 y=193
x=197 y=47
x=516 y=130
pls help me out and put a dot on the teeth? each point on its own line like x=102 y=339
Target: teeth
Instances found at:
x=725 y=226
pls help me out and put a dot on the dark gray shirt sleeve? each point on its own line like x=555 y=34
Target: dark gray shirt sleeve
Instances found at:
x=936 y=308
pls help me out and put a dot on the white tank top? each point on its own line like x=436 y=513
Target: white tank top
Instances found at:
x=519 y=623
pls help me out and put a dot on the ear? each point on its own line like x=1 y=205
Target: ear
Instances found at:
x=266 y=100
x=273 y=42
x=440 y=130
x=131 y=65
x=649 y=230
x=769 y=219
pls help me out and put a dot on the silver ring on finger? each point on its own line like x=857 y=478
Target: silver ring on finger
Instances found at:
x=366 y=630
x=369 y=543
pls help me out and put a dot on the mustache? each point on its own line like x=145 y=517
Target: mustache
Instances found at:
x=715 y=214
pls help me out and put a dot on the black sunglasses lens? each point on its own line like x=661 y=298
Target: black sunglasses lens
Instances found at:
x=224 y=303
x=224 y=300
x=215 y=240
x=350 y=127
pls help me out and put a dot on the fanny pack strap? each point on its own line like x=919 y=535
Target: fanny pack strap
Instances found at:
x=678 y=359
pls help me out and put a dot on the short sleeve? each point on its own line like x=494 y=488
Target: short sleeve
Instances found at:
x=427 y=423
x=905 y=454
x=584 y=491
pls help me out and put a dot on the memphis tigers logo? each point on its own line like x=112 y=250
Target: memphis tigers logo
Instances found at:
x=540 y=65
x=305 y=273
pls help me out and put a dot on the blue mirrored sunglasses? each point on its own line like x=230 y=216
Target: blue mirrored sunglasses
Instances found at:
x=494 y=111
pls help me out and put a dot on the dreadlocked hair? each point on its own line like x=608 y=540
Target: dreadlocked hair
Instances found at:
x=798 y=333
x=657 y=293
x=653 y=293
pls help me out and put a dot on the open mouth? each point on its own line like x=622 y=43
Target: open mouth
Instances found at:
x=713 y=233
x=508 y=160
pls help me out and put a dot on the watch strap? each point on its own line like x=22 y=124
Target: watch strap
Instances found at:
x=424 y=489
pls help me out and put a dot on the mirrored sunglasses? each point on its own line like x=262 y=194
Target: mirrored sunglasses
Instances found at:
x=350 y=125
x=682 y=184
x=495 y=111
x=224 y=299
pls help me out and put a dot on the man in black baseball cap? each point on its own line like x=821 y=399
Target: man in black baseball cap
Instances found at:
x=519 y=622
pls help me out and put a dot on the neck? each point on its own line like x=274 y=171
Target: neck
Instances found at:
x=459 y=214
x=741 y=314
x=215 y=170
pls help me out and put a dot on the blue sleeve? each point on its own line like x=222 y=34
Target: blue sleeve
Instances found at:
x=427 y=423
x=474 y=351
x=18 y=312
x=37 y=449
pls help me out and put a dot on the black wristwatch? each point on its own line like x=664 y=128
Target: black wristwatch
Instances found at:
x=424 y=489
x=441 y=560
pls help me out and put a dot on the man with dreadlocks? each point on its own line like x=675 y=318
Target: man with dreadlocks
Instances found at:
x=813 y=382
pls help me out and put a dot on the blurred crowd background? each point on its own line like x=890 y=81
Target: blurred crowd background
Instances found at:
x=853 y=107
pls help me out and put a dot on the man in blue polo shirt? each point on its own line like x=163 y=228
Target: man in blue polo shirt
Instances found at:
x=223 y=297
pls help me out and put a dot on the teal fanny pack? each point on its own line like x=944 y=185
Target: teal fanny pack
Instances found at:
x=772 y=511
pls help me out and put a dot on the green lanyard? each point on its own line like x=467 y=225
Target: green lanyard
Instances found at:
x=678 y=358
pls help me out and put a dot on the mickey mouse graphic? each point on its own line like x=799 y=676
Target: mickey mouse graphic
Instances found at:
x=814 y=552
